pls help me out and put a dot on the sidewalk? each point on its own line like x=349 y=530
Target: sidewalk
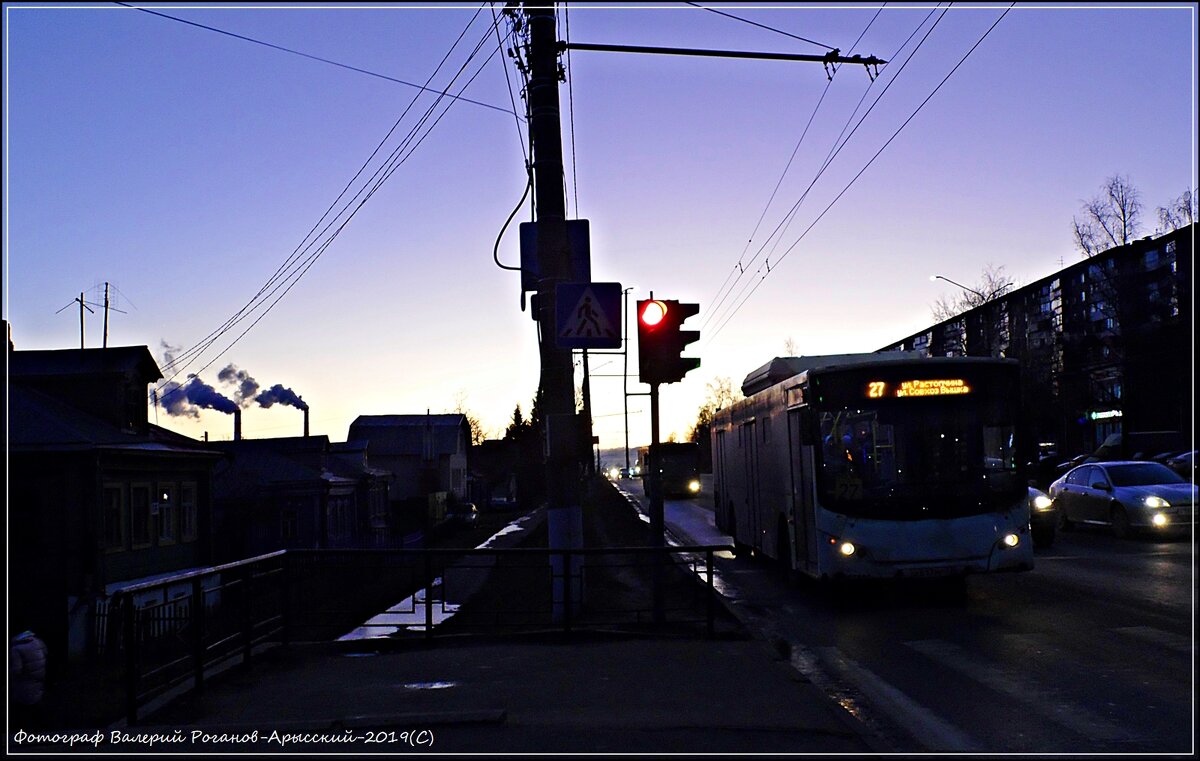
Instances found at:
x=594 y=695
x=536 y=693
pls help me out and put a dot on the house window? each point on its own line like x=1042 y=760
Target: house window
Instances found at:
x=114 y=514
x=168 y=504
x=187 y=511
x=139 y=510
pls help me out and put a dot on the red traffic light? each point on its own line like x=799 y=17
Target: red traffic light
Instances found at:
x=661 y=341
x=653 y=313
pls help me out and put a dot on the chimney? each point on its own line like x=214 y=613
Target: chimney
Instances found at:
x=306 y=422
x=237 y=425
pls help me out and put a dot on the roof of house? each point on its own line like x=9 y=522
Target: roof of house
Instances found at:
x=40 y=422
x=251 y=464
x=408 y=434
x=42 y=363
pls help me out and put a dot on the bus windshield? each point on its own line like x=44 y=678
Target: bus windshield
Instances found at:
x=935 y=459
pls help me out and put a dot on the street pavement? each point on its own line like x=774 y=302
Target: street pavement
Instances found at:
x=542 y=693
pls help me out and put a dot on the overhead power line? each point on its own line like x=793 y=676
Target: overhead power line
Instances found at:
x=873 y=158
x=721 y=296
x=762 y=26
x=294 y=267
x=741 y=268
x=309 y=56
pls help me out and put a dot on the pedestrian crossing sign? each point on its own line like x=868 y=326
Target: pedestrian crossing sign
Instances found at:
x=588 y=315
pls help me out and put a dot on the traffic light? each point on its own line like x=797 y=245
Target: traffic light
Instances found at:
x=660 y=340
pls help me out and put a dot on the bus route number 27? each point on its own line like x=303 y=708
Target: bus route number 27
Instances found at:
x=847 y=487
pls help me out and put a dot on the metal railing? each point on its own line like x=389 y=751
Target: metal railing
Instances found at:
x=172 y=631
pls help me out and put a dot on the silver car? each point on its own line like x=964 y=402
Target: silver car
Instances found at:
x=1127 y=495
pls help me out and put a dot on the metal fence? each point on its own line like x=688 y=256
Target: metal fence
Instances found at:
x=169 y=632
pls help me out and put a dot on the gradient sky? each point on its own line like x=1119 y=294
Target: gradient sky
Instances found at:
x=185 y=166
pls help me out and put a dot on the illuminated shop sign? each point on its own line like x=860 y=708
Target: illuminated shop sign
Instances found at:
x=1106 y=414
x=933 y=387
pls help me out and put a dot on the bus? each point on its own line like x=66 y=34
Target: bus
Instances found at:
x=679 y=463
x=887 y=465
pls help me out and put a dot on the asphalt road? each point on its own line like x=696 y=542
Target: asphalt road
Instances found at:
x=1091 y=652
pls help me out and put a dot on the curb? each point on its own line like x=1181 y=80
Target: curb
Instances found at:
x=775 y=646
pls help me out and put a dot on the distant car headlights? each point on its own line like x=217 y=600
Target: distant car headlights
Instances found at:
x=1155 y=502
x=1042 y=502
x=694 y=486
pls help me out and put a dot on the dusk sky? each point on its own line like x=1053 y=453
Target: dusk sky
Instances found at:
x=186 y=166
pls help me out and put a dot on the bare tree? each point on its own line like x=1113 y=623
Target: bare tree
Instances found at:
x=1180 y=212
x=1110 y=219
x=992 y=284
x=721 y=394
x=789 y=347
x=478 y=435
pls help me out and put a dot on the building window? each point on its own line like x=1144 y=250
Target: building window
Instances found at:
x=168 y=499
x=187 y=511
x=139 y=510
x=114 y=517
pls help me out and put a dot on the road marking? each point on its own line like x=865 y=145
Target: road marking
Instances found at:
x=1021 y=688
x=1177 y=642
x=931 y=731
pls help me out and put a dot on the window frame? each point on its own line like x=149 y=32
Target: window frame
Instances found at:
x=188 y=530
x=167 y=510
x=122 y=514
x=148 y=522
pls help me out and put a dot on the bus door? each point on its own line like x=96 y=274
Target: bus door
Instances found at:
x=749 y=509
x=800 y=466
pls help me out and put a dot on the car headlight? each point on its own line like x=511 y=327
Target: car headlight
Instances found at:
x=694 y=486
x=1156 y=502
x=1042 y=502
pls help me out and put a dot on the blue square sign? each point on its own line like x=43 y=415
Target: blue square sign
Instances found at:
x=588 y=315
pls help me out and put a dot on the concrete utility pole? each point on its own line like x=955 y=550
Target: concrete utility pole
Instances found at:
x=565 y=517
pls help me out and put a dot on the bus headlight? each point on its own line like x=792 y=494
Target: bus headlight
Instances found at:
x=693 y=486
x=1010 y=540
x=1156 y=502
x=847 y=549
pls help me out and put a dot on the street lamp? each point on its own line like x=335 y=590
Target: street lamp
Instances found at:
x=960 y=285
x=982 y=298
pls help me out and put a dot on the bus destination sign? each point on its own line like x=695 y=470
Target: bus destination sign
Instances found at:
x=932 y=387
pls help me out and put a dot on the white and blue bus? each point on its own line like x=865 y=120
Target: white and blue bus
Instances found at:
x=884 y=465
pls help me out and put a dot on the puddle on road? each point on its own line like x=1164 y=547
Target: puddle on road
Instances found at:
x=429 y=685
x=409 y=613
